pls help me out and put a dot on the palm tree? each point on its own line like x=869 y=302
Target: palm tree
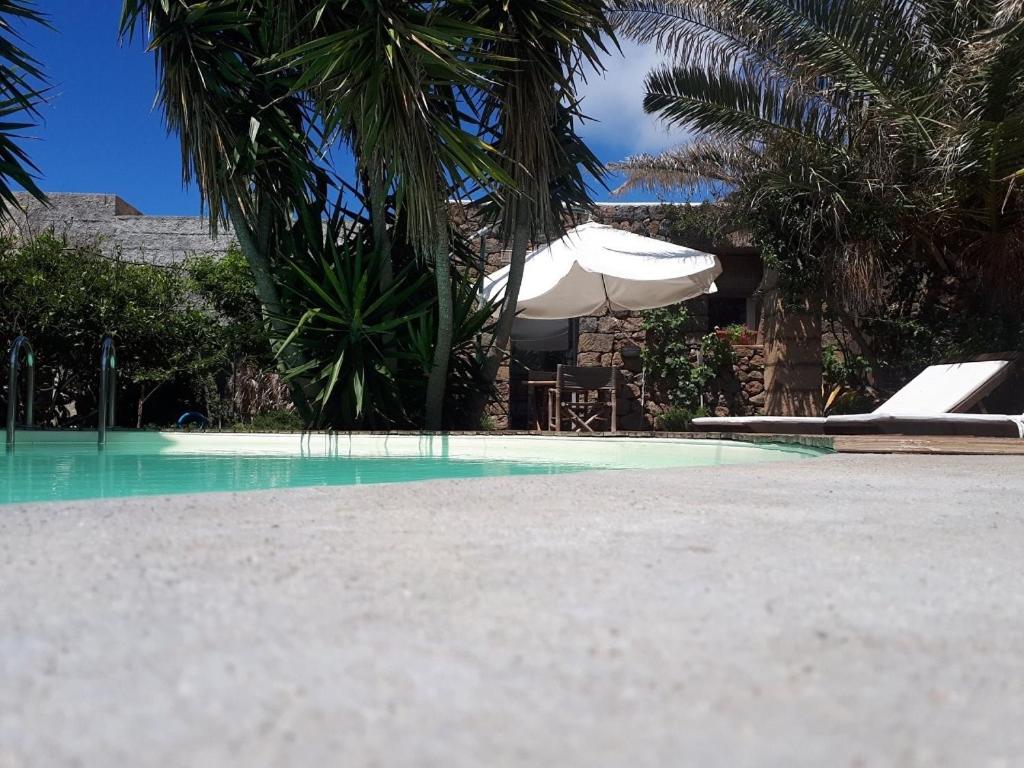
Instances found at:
x=398 y=79
x=533 y=109
x=22 y=86
x=917 y=93
x=390 y=77
x=853 y=133
x=246 y=136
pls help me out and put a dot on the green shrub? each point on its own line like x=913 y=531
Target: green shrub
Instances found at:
x=367 y=344
x=272 y=421
x=845 y=382
x=668 y=361
x=677 y=419
x=178 y=329
x=225 y=285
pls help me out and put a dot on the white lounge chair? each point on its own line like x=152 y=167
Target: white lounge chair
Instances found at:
x=938 y=390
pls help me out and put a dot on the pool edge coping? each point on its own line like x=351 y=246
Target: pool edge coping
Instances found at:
x=867 y=444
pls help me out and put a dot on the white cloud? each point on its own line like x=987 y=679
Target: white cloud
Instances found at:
x=615 y=99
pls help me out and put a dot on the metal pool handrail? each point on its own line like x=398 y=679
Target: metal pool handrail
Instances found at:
x=14 y=359
x=108 y=388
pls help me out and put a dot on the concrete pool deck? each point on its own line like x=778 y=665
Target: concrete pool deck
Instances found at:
x=851 y=610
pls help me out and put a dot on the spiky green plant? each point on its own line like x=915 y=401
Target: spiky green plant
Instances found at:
x=22 y=89
x=345 y=325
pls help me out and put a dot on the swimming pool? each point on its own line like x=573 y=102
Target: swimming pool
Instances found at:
x=57 y=466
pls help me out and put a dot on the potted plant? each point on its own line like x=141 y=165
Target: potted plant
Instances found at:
x=737 y=335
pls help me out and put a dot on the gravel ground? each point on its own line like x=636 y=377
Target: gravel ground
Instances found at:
x=842 y=611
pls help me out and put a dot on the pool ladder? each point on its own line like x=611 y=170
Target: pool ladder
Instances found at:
x=20 y=344
x=108 y=388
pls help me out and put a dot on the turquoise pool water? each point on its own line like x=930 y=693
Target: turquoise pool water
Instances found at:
x=70 y=466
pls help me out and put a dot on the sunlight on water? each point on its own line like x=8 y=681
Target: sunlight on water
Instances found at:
x=35 y=475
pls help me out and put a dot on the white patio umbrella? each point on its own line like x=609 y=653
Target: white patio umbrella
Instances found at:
x=595 y=265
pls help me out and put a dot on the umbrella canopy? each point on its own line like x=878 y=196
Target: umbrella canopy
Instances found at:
x=595 y=265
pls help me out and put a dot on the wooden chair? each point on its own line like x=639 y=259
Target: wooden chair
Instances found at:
x=584 y=397
x=539 y=385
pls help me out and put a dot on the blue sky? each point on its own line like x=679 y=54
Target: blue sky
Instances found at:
x=100 y=132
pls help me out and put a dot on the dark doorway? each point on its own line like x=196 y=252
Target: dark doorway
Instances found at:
x=537 y=346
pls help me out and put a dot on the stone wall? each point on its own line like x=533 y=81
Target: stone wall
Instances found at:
x=119 y=228
x=741 y=391
x=614 y=339
x=648 y=219
x=602 y=341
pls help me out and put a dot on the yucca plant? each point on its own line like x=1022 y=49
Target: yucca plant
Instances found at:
x=390 y=78
x=370 y=346
x=348 y=325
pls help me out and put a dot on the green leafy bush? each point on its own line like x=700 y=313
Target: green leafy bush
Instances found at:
x=271 y=421
x=677 y=419
x=176 y=340
x=669 y=359
x=224 y=284
x=846 y=385
x=738 y=333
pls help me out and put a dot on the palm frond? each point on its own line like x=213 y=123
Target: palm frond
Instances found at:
x=241 y=124
x=532 y=105
x=744 y=105
x=690 y=167
x=22 y=89
x=869 y=46
x=389 y=76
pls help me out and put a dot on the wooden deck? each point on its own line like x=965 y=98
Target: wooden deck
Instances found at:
x=957 y=446
x=953 y=446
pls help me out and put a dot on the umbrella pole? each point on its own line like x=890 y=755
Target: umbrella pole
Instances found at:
x=643 y=395
x=700 y=363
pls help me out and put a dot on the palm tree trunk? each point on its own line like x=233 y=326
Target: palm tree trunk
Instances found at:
x=792 y=340
x=436 y=383
x=267 y=293
x=381 y=238
x=516 y=268
x=382 y=245
x=506 y=318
